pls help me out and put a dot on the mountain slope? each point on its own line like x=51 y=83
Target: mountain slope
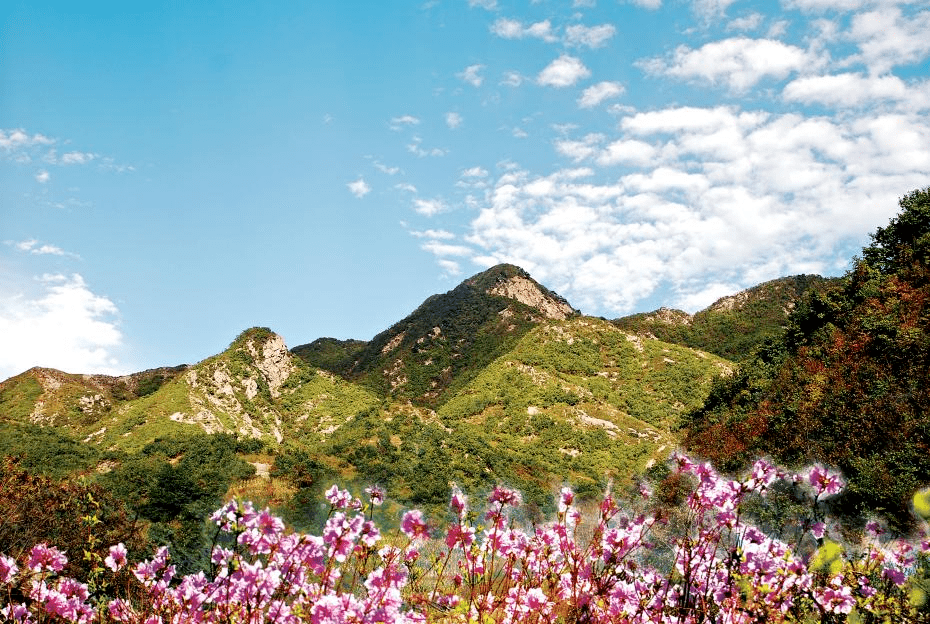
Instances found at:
x=448 y=339
x=848 y=383
x=575 y=400
x=734 y=325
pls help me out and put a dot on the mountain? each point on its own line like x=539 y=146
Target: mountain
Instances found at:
x=447 y=340
x=733 y=326
x=255 y=388
x=499 y=380
x=847 y=383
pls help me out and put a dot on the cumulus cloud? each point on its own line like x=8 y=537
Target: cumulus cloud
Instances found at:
x=845 y=90
x=18 y=139
x=65 y=326
x=595 y=94
x=563 y=72
x=359 y=188
x=739 y=62
x=43 y=176
x=888 y=38
x=711 y=200
x=579 y=35
x=472 y=75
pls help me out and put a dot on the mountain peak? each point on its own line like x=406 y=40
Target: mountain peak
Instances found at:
x=512 y=282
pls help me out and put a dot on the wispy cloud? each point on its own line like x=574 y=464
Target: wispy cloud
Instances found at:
x=472 y=75
x=429 y=207
x=403 y=121
x=34 y=247
x=515 y=29
x=415 y=147
x=579 y=35
x=595 y=94
x=453 y=120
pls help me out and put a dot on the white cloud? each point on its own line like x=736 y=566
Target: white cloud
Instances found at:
x=66 y=326
x=747 y=22
x=359 y=188
x=709 y=10
x=595 y=94
x=472 y=75
x=512 y=79
x=409 y=188
x=444 y=249
x=403 y=121
x=888 y=38
x=739 y=62
x=451 y=267
x=385 y=168
x=416 y=148
x=475 y=172
x=17 y=139
x=434 y=234
x=43 y=176
x=76 y=158
x=429 y=207
x=845 y=90
x=514 y=29
x=711 y=200
x=825 y=5
x=484 y=4
x=563 y=72
x=648 y=4
x=453 y=120
x=579 y=35
x=32 y=246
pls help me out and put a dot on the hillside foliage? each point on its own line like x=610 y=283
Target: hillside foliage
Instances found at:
x=848 y=382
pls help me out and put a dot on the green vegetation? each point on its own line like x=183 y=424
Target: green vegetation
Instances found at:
x=847 y=384
x=733 y=326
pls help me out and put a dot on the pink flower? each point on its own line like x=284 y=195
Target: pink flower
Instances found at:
x=117 y=557
x=818 y=529
x=375 y=495
x=459 y=502
x=413 y=525
x=8 y=569
x=340 y=499
x=566 y=498
x=823 y=481
x=45 y=557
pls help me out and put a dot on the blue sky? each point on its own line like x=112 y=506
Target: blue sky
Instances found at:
x=173 y=173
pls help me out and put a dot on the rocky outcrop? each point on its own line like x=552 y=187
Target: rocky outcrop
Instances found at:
x=273 y=360
x=527 y=292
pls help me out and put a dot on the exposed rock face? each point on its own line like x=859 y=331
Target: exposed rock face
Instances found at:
x=527 y=292
x=671 y=316
x=274 y=362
